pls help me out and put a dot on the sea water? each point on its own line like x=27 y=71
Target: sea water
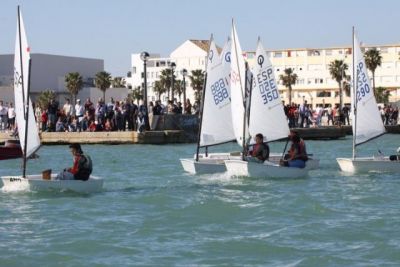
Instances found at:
x=153 y=214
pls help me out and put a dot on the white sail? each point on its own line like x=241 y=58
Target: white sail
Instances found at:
x=368 y=123
x=238 y=76
x=266 y=110
x=217 y=119
x=21 y=83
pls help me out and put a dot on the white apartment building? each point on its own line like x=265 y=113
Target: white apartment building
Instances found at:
x=311 y=65
x=315 y=83
x=191 y=55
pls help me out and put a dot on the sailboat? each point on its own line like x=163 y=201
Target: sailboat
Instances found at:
x=10 y=150
x=367 y=122
x=28 y=131
x=216 y=119
x=266 y=116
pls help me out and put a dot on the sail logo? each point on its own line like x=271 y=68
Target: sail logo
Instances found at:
x=228 y=57
x=211 y=55
x=260 y=60
x=363 y=88
x=17 y=78
x=266 y=85
x=219 y=91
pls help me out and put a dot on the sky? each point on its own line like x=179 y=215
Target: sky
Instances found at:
x=112 y=30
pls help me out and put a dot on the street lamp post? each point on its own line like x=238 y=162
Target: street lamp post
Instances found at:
x=184 y=73
x=144 y=56
x=173 y=65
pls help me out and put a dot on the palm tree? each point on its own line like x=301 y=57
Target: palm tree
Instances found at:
x=382 y=95
x=44 y=98
x=373 y=59
x=197 y=82
x=159 y=89
x=74 y=83
x=178 y=88
x=165 y=79
x=137 y=94
x=103 y=82
x=288 y=79
x=118 y=82
x=337 y=69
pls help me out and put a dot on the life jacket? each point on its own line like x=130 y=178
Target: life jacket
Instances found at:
x=84 y=168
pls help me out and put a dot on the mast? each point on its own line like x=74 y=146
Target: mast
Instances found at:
x=202 y=102
x=246 y=113
x=24 y=97
x=355 y=78
x=26 y=110
x=242 y=91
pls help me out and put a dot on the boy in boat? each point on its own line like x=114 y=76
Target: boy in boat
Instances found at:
x=260 y=151
x=82 y=167
x=297 y=155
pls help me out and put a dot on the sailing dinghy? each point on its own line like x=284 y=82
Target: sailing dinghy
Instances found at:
x=266 y=117
x=28 y=131
x=367 y=123
x=216 y=119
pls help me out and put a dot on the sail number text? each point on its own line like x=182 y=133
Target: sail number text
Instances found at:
x=267 y=86
x=363 y=88
x=219 y=91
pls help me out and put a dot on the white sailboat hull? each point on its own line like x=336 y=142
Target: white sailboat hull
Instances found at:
x=212 y=163
x=263 y=170
x=368 y=164
x=215 y=162
x=37 y=183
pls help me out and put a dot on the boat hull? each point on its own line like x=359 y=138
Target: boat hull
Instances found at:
x=368 y=164
x=10 y=152
x=215 y=162
x=37 y=183
x=262 y=170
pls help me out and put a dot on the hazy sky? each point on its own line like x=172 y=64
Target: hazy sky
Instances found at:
x=113 y=29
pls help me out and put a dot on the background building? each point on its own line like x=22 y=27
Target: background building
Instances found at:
x=191 y=55
x=48 y=73
x=311 y=65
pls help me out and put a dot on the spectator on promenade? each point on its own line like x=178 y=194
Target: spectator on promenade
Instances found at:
x=3 y=116
x=188 y=107
x=52 y=110
x=79 y=112
x=60 y=125
x=67 y=109
x=157 y=110
x=346 y=113
x=11 y=116
x=303 y=114
x=179 y=108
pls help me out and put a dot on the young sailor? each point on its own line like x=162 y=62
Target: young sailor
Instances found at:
x=260 y=152
x=82 y=167
x=297 y=154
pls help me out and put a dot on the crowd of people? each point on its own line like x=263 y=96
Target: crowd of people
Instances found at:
x=113 y=116
x=304 y=116
x=127 y=116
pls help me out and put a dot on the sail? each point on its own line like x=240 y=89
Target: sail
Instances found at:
x=266 y=110
x=217 y=119
x=238 y=76
x=368 y=123
x=21 y=84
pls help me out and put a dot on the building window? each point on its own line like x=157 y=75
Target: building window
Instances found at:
x=278 y=54
x=328 y=52
x=134 y=70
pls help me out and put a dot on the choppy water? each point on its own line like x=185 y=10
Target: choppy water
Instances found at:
x=151 y=213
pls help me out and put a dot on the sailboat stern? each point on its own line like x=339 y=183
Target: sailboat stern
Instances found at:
x=203 y=166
